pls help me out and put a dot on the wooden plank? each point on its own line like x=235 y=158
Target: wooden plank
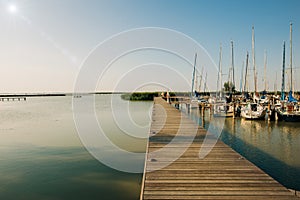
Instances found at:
x=222 y=174
x=215 y=197
x=218 y=192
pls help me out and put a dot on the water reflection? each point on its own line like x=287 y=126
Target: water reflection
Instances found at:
x=272 y=146
x=41 y=156
x=280 y=140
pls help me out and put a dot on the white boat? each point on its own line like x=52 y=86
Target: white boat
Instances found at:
x=289 y=110
x=253 y=111
x=264 y=100
x=194 y=103
x=223 y=109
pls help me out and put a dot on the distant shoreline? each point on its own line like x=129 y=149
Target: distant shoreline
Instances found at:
x=52 y=94
x=73 y=94
x=11 y=95
x=29 y=95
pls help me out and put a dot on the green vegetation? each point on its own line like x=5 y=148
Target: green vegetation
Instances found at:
x=229 y=87
x=181 y=94
x=140 y=96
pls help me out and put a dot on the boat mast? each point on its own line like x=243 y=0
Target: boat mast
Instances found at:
x=232 y=67
x=246 y=73
x=283 y=74
x=265 y=70
x=253 y=60
x=204 y=89
x=241 y=80
x=201 y=77
x=219 y=83
x=291 y=56
x=198 y=78
x=275 y=84
x=231 y=72
x=193 y=75
x=196 y=81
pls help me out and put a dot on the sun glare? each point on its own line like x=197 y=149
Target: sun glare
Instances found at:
x=12 y=8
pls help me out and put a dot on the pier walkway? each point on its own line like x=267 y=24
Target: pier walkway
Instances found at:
x=222 y=174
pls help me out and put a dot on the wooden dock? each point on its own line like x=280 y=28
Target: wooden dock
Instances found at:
x=222 y=174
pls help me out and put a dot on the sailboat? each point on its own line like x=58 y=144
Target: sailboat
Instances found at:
x=290 y=109
x=253 y=110
x=222 y=107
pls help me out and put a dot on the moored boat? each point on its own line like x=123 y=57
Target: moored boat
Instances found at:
x=290 y=112
x=253 y=111
x=223 y=109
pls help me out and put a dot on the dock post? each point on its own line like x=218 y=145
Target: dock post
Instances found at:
x=202 y=110
x=203 y=122
x=167 y=96
x=269 y=111
x=233 y=116
x=210 y=109
x=272 y=114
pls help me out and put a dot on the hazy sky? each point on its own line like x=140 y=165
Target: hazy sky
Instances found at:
x=44 y=43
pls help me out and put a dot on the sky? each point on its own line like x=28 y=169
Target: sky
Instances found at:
x=46 y=44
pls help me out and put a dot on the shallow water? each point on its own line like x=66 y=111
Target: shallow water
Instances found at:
x=42 y=157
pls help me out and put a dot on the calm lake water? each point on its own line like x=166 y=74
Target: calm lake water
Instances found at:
x=272 y=146
x=42 y=157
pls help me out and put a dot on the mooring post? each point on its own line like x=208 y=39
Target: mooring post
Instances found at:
x=269 y=111
x=188 y=107
x=210 y=109
x=233 y=116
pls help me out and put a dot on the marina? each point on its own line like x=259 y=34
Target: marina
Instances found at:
x=222 y=174
x=253 y=111
x=128 y=100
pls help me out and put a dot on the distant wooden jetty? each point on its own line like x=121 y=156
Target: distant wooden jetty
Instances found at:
x=222 y=174
x=23 y=97
x=12 y=98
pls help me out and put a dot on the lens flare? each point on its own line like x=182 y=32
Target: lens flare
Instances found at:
x=12 y=8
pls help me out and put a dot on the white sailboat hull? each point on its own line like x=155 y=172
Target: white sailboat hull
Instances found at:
x=223 y=110
x=253 y=112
